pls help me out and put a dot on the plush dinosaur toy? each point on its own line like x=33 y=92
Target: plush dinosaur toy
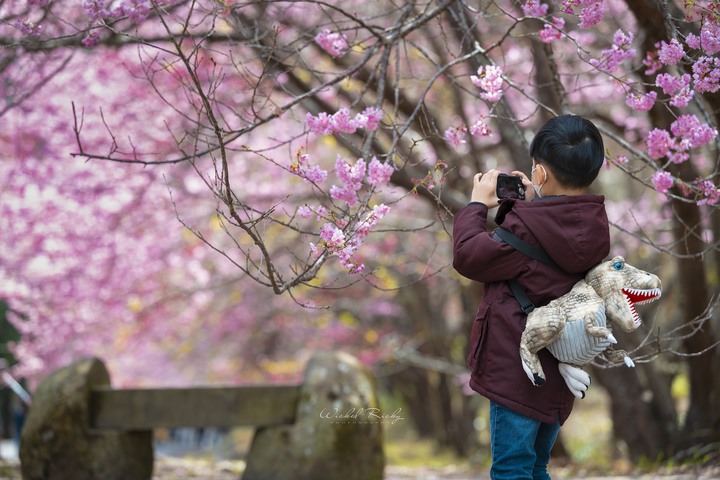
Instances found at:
x=576 y=327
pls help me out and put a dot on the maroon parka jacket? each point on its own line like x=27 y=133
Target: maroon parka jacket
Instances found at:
x=574 y=231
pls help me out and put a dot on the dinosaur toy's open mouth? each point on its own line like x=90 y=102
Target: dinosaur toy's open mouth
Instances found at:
x=634 y=296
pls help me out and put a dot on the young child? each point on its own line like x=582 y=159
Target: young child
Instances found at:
x=572 y=227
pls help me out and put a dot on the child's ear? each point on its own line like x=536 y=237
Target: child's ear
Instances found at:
x=543 y=173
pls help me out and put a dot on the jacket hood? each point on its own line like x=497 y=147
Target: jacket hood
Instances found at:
x=572 y=229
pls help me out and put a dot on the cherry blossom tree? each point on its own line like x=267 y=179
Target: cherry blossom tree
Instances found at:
x=175 y=161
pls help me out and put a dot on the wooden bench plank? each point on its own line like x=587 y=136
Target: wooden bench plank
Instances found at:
x=145 y=409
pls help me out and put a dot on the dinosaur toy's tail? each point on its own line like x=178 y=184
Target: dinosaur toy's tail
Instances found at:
x=531 y=365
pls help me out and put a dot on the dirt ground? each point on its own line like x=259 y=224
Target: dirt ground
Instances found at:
x=183 y=469
x=172 y=469
x=180 y=469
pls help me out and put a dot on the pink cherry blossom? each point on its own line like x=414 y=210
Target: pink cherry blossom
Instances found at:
x=455 y=136
x=369 y=119
x=682 y=98
x=641 y=103
x=91 y=39
x=304 y=212
x=341 y=121
x=489 y=79
x=592 y=14
x=693 y=41
x=611 y=58
x=688 y=127
x=663 y=181
x=710 y=36
x=622 y=160
x=668 y=83
x=26 y=27
x=658 y=143
x=679 y=155
x=710 y=193
x=678 y=88
x=480 y=129
x=320 y=124
x=371 y=219
x=652 y=63
x=379 y=173
x=533 y=8
x=96 y=9
x=136 y=10
x=332 y=42
x=706 y=74
x=351 y=177
x=553 y=32
x=344 y=244
x=670 y=53
x=333 y=237
x=310 y=173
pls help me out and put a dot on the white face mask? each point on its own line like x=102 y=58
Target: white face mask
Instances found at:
x=535 y=187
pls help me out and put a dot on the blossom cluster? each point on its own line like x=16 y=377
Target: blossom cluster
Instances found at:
x=678 y=89
x=662 y=181
x=334 y=43
x=340 y=237
x=305 y=211
x=706 y=74
x=455 y=135
x=135 y=10
x=704 y=191
x=343 y=241
x=591 y=12
x=706 y=68
x=341 y=121
x=687 y=133
x=641 y=103
x=100 y=11
x=551 y=31
x=533 y=8
x=670 y=53
x=489 y=79
x=310 y=173
x=709 y=39
x=621 y=50
x=26 y=27
x=708 y=191
x=351 y=178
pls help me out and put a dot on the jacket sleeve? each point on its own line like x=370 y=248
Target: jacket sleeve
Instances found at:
x=476 y=254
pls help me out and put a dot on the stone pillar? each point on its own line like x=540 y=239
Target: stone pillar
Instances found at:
x=57 y=443
x=337 y=434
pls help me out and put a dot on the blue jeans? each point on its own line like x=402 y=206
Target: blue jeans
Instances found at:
x=520 y=446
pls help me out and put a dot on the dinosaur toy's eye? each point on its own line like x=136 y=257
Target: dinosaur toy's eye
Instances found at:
x=618 y=265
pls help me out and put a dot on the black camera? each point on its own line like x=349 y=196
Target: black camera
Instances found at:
x=509 y=186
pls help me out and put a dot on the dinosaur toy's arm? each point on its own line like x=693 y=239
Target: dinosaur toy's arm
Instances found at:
x=617 y=356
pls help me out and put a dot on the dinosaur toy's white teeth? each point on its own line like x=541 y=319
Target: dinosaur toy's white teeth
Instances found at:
x=636 y=296
x=633 y=312
x=639 y=297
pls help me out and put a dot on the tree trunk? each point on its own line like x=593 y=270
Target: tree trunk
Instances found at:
x=435 y=400
x=636 y=408
x=702 y=423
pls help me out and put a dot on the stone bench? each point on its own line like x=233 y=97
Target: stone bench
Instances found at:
x=80 y=428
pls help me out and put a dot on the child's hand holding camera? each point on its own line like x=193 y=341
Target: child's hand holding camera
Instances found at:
x=485 y=187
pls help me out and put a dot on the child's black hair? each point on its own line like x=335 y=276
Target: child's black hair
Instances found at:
x=573 y=149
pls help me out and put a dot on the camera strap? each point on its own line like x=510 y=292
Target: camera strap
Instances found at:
x=526 y=305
